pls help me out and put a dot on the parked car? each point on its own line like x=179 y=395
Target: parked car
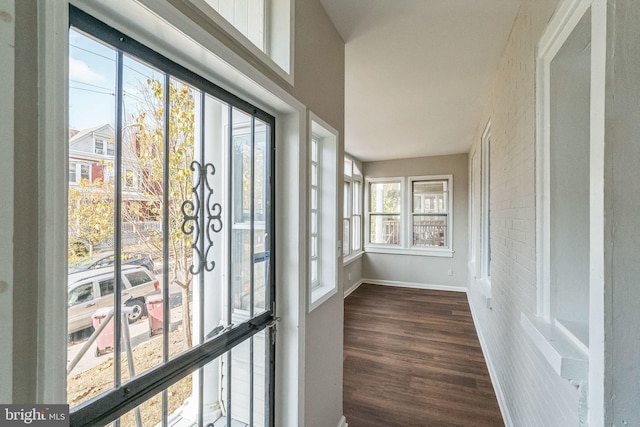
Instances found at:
x=93 y=289
x=107 y=259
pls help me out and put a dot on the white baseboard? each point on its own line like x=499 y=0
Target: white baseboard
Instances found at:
x=343 y=422
x=353 y=288
x=416 y=285
x=502 y=403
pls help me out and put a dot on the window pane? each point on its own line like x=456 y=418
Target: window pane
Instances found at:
x=314 y=271
x=260 y=233
x=430 y=196
x=356 y=170
x=314 y=198
x=430 y=230
x=106 y=287
x=357 y=189
x=357 y=233
x=314 y=246
x=385 y=229
x=247 y=16
x=314 y=174
x=347 y=199
x=347 y=167
x=92 y=102
x=85 y=171
x=385 y=197
x=314 y=222
x=314 y=149
x=346 y=236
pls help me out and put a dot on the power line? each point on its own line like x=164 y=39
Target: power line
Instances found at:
x=92 y=90
x=110 y=89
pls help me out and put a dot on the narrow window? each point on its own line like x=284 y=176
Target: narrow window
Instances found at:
x=384 y=212
x=486 y=203
x=324 y=218
x=85 y=171
x=73 y=172
x=99 y=146
x=314 y=212
x=356 y=215
x=346 y=218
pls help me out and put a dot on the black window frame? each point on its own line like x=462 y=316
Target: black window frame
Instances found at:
x=128 y=395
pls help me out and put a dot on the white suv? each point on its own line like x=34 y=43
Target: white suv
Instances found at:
x=93 y=289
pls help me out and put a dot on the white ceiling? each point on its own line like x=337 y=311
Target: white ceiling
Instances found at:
x=418 y=72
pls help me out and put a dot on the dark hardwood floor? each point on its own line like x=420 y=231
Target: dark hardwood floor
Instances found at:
x=412 y=358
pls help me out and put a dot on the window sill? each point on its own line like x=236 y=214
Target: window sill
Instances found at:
x=566 y=358
x=352 y=258
x=319 y=295
x=441 y=253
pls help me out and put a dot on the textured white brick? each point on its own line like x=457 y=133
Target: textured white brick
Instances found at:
x=533 y=393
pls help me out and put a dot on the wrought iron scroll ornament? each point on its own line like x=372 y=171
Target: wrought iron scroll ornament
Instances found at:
x=202 y=217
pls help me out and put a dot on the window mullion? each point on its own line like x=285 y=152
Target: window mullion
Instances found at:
x=252 y=260
x=165 y=244
x=230 y=209
x=117 y=320
x=203 y=253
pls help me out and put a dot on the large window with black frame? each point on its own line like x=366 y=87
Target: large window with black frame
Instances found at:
x=171 y=270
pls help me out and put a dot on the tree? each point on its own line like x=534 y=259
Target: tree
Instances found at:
x=146 y=136
x=90 y=215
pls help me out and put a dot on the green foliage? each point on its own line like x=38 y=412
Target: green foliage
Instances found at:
x=385 y=197
x=90 y=215
x=146 y=133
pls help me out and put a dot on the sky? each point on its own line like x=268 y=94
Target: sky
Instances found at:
x=92 y=79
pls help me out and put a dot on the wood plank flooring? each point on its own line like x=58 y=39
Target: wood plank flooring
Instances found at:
x=412 y=358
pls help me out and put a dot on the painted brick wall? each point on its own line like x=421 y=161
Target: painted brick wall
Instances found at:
x=530 y=391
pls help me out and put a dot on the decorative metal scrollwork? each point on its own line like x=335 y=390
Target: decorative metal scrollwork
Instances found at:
x=202 y=217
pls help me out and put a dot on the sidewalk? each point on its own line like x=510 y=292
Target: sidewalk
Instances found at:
x=139 y=333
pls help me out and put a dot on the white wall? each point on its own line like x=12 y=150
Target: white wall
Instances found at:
x=418 y=269
x=352 y=274
x=7 y=31
x=319 y=84
x=531 y=393
x=25 y=249
x=622 y=205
